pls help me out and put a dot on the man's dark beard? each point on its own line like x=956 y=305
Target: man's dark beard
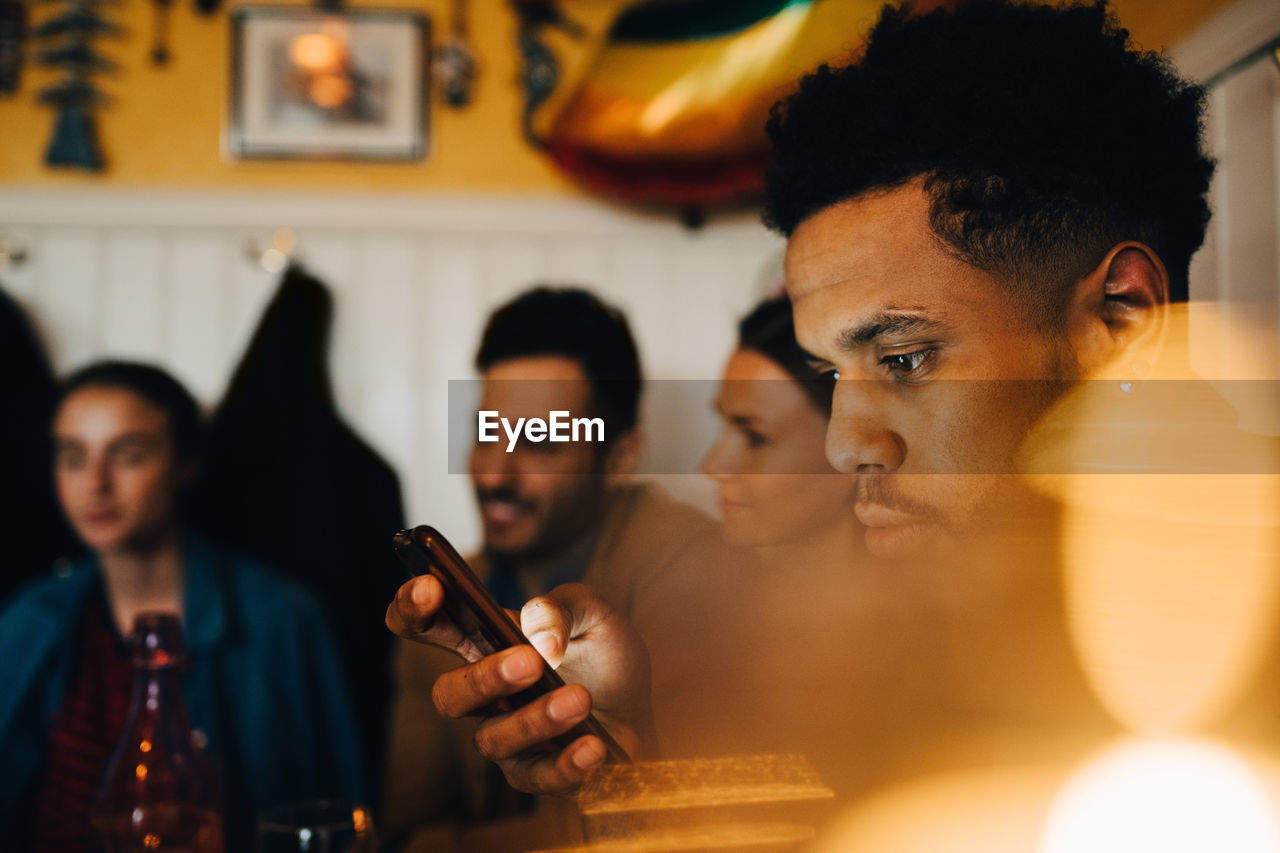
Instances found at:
x=506 y=494
x=566 y=522
x=871 y=489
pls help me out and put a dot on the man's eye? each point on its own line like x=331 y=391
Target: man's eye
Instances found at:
x=907 y=364
x=69 y=459
x=132 y=456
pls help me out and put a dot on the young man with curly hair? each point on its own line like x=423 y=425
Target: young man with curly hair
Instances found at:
x=991 y=204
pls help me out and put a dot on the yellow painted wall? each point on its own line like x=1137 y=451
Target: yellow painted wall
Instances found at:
x=1159 y=24
x=163 y=128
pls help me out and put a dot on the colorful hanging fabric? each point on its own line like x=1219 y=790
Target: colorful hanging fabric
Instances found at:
x=672 y=105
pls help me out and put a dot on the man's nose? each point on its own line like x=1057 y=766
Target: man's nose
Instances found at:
x=859 y=437
x=492 y=466
x=100 y=476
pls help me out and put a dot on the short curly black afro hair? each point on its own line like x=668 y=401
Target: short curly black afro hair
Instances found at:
x=1043 y=137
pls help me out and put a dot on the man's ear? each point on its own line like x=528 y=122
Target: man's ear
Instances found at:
x=1118 y=309
x=623 y=458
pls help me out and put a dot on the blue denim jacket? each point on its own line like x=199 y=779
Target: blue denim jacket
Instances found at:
x=262 y=683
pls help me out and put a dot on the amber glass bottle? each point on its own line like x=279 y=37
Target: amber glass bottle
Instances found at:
x=159 y=793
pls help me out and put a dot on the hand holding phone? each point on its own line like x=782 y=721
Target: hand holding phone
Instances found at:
x=485 y=626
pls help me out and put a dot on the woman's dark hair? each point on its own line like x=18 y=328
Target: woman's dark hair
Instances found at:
x=157 y=387
x=770 y=330
x=572 y=323
x=1042 y=135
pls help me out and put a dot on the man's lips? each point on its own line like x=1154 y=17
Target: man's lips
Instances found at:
x=503 y=512
x=881 y=515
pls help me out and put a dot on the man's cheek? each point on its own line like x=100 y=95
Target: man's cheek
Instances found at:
x=963 y=432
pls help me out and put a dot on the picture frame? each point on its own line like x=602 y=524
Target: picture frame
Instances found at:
x=348 y=85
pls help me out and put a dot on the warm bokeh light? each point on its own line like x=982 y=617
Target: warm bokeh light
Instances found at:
x=1000 y=810
x=284 y=239
x=1170 y=796
x=316 y=52
x=329 y=90
x=1170 y=537
x=1171 y=584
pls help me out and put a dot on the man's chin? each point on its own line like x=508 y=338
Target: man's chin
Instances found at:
x=508 y=540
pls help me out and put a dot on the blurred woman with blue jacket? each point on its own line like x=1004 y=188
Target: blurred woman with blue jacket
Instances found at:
x=262 y=684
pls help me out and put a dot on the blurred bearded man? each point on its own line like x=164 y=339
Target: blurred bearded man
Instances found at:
x=552 y=513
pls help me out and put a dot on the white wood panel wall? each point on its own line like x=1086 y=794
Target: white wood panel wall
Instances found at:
x=167 y=278
x=1239 y=266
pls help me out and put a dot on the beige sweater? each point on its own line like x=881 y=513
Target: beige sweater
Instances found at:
x=659 y=562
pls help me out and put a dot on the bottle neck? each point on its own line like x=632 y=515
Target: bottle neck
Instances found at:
x=157 y=692
x=157 y=671
x=156 y=764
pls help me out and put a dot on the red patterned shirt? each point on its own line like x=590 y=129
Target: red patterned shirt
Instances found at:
x=84 y=734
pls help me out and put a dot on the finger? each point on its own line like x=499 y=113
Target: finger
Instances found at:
x=557 y=773
x=414 y=607
x=507 y=736
x=566 y=613
x=547 y=624
x=470 y=688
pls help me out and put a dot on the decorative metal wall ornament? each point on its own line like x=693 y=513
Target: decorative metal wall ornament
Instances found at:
x=540 y=69
x=455 y=64
x=160 y=31
x=13 y=30
x=69 y=37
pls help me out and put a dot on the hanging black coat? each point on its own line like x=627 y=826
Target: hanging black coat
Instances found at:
x=31 y=524
x=287 y=481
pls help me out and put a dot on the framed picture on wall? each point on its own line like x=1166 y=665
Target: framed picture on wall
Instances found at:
x=340 y=85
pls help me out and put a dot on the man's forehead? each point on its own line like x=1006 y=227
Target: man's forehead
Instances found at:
x=857 y=237
x=872 y=267
x=537 y=384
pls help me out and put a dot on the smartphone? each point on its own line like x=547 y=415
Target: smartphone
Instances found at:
x=485 y=623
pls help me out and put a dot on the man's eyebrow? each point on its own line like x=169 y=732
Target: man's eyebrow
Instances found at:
x=881 y=325
x=135 y=438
